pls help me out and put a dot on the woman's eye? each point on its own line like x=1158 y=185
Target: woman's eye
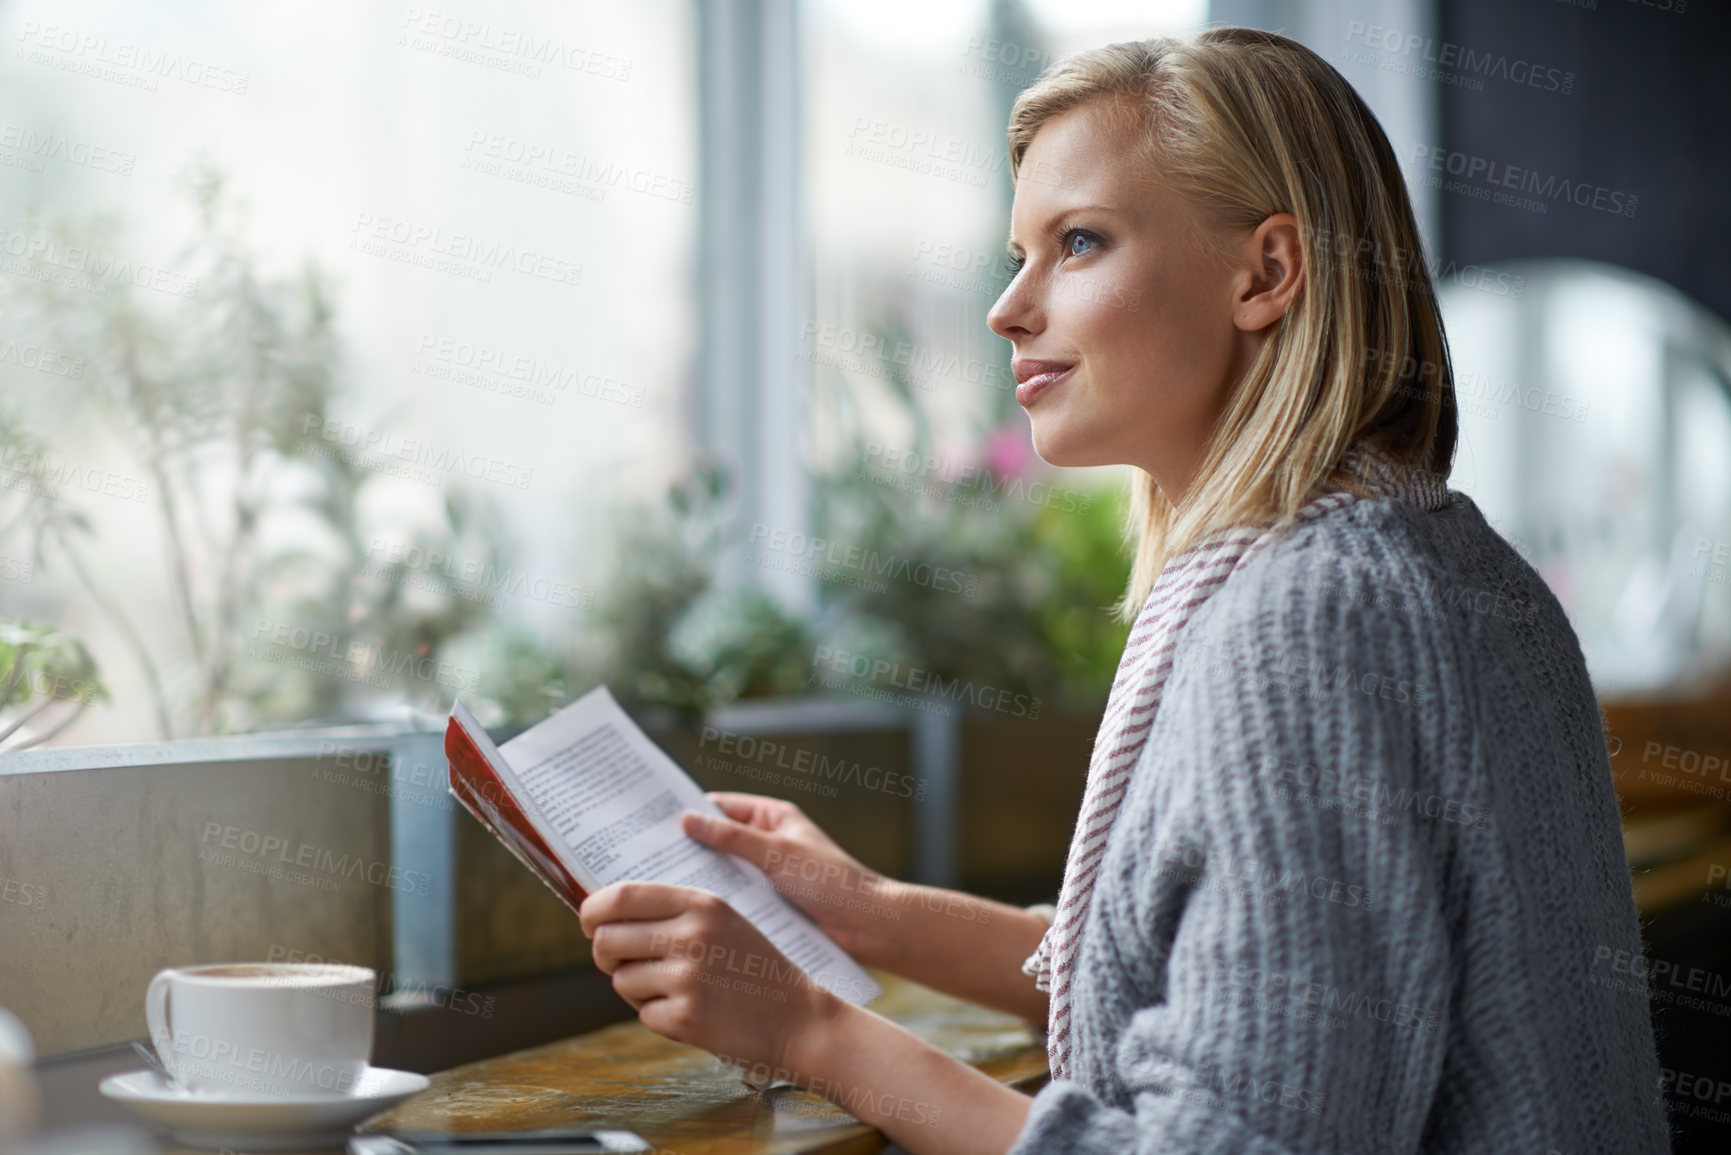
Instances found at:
x=1073 y=242
x=1076 y=237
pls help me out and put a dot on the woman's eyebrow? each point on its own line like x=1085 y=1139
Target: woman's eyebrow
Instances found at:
x=1054 y=221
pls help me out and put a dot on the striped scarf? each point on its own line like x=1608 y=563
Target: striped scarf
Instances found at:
x=1185 y=583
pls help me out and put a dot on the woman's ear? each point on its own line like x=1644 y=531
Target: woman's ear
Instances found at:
x=1271 y=273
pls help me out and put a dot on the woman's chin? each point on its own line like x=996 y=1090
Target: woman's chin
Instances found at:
x=1060 y=448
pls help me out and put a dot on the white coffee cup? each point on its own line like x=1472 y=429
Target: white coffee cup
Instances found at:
x=251 y=1029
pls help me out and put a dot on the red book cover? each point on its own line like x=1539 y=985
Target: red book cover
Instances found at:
x=478 y=787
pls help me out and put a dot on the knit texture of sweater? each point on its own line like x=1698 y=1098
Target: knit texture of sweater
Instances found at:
x=1366 y=891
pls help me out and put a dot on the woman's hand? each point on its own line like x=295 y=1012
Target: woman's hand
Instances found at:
x=969 y=947
x=697 y=972
x=854 y=906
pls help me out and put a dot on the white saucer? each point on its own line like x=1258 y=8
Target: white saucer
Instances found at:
x=262 y=1122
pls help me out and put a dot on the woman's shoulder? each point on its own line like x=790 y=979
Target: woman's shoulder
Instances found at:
x=1385 y=574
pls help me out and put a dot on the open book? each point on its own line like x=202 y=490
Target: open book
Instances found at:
x=584 y=799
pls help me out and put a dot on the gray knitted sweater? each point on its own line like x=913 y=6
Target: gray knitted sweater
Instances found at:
x=1367 y=884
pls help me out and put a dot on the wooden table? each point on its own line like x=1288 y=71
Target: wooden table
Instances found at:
x=683 y=1101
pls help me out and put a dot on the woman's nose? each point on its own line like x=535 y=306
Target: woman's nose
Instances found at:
x=1014 y=315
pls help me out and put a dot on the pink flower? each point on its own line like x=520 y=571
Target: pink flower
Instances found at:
x=1009 y=451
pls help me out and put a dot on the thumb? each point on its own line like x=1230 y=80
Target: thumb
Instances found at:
x=726 y=835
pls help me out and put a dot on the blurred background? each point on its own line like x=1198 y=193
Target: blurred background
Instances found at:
x=354 y=358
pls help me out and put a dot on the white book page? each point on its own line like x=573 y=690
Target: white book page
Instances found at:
x=613 y=798
x=496 y=759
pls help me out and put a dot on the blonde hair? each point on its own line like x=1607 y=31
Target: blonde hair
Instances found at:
x=1248 y=124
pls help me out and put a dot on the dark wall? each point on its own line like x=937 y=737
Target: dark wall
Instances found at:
x=1648 y=116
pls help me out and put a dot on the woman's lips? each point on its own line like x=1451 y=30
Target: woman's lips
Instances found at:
x=1037 y=384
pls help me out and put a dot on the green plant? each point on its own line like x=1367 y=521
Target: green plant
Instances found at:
x=42 y=666
x=1038 y=576
x=674 y=636
x=1024 y=604
x=1036 y=581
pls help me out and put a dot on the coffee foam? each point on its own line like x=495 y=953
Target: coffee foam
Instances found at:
x=279 y=974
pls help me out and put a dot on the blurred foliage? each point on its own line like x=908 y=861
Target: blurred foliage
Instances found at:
x=39 y=669
x=523 y=676
x=1005 y=592
x=1037 y=580
x=673 y=634
x=217 y=389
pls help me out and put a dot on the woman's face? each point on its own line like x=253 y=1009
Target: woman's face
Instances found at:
x=1127 y=332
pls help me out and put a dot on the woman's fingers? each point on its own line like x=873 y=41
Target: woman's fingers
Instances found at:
x=729 y=836
x=616 y=943
x=752 y=809
x=636 y=901
x=640 y=980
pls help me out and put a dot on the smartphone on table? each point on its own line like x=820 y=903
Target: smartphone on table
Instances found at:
x=554 y=1142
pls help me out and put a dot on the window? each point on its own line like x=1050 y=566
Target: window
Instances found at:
x=331 y=335
x=1595 y=406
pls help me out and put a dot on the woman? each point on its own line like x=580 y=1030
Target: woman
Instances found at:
x=1348 y=865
